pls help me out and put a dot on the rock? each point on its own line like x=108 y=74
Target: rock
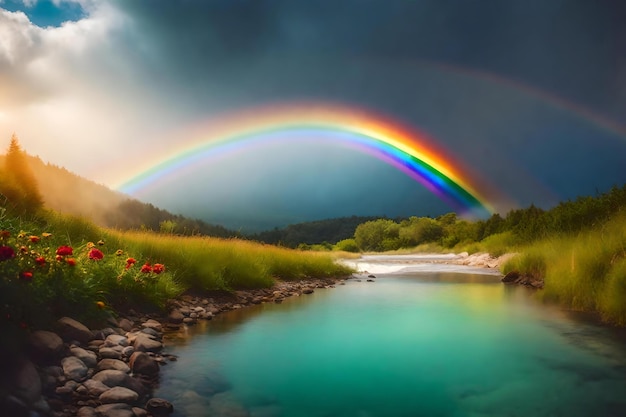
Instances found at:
x=189 y=320
x=151 y=332
x=70 y=329
x=159 y=407
x=95 y=388
x=370 y=280
x=139 y=412
x=74 y=368
x=109 y=353
x=26 y=383
x=152 y=324
x=116 y=340
x=113 y=378
x=88 y=357
x=128 y=351
x=115 y=364
x=307 y=291
x=125 y=325
x=144 y=343
x=511 y=277
x=118 y=395
x=86 y=412
x=114 y=410
x=144 y=364
x=176 y=316
x=45 y=346
x=371 y=276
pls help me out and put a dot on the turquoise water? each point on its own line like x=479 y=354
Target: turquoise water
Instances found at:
x=409 y=344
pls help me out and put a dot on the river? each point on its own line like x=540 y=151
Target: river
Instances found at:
x=423 y=339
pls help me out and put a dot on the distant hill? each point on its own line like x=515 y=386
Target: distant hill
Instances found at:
x=312 y=233
x=67 y=192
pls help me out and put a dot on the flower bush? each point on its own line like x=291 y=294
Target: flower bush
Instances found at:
x=42 y=278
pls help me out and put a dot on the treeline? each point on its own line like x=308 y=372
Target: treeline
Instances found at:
x=27 y=184
x=325 y=233
x=520 y=226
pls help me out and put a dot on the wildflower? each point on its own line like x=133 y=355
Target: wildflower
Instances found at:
x=119 y=252
x=90 y=245
x=59 y=258
x=65 y=250
x=6 y=252
x=146 y=268
x=130 y=262
x=34 y=239
x=40 y=260
x=158 y=268
x=100 y=304
x=100 y=242
x=23 y=249
x=96 y=254
x=5 y=234
x=21 y=235
x=26 y=276
x=71 y=261
x=46 y=234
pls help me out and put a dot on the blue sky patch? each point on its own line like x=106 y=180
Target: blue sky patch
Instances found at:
x=45 y=13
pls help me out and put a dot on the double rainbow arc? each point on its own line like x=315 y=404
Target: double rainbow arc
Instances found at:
x=408 y=150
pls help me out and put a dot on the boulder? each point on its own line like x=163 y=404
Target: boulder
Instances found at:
x=88 y=357
x=115 y=364
x=70 y=329
x=144 y=364
x=110 y=353
x=159 y=407
x=86 y=412
x=176 y=317
x=144 y=343
x=115 y=340
x=118 y=395
x=152 y=324
x=95 y=388
x=113 y=378
x=125 y=325
x=511 y=277
x=74 y=368
x=26 y=383
x=114 y=410
x=45 y=346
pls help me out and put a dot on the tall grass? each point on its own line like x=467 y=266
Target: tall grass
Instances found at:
x=585 y=272
x=206 y=263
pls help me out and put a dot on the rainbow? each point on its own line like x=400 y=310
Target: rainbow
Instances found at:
x=408 y=150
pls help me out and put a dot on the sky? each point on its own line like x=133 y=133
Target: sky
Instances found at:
x=528 y=95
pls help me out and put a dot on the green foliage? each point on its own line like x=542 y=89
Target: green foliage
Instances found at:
x=378 y=235
x=347 y=245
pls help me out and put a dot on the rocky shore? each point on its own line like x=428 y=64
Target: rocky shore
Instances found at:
x=72 y=370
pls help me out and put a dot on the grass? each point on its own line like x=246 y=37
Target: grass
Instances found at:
x=585 y=272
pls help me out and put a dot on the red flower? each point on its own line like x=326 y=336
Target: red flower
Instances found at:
x=6 y=252
x=4 y=234
x=26 y=276
x=59 y=258
x=146 y=268
x=158 y=268
x=65 y=250
x=71 y=261
x=34 y=239
x=40 y=260
x=96 y=254
x=23 y=249
x=130 y=262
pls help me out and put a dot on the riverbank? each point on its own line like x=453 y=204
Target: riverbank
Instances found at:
x=72 y=370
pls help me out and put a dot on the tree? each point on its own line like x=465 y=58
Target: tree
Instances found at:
x=28 y=199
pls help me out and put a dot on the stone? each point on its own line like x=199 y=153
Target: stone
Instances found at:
x=159 y=407
x=26 y=383
x=144 y=343
x=307 y=291
x=115 y=364
x=149 y=331
x=153 y=324
x=189 y=320
x=70 y=329
x=45 y=346
x=125 y=325
x=144 y=364
x=86 y=412
x=74 y=368
x=88 y=357
x=95 y=388
x=175 y=316
x=115 y=340
x=109 y=353
x=139 y=412
x=128 y=351
x=511 y=277
x=113 y=378
x=118 y=395
x=114 y=410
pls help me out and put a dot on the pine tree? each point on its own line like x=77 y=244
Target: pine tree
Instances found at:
x=17 y=168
